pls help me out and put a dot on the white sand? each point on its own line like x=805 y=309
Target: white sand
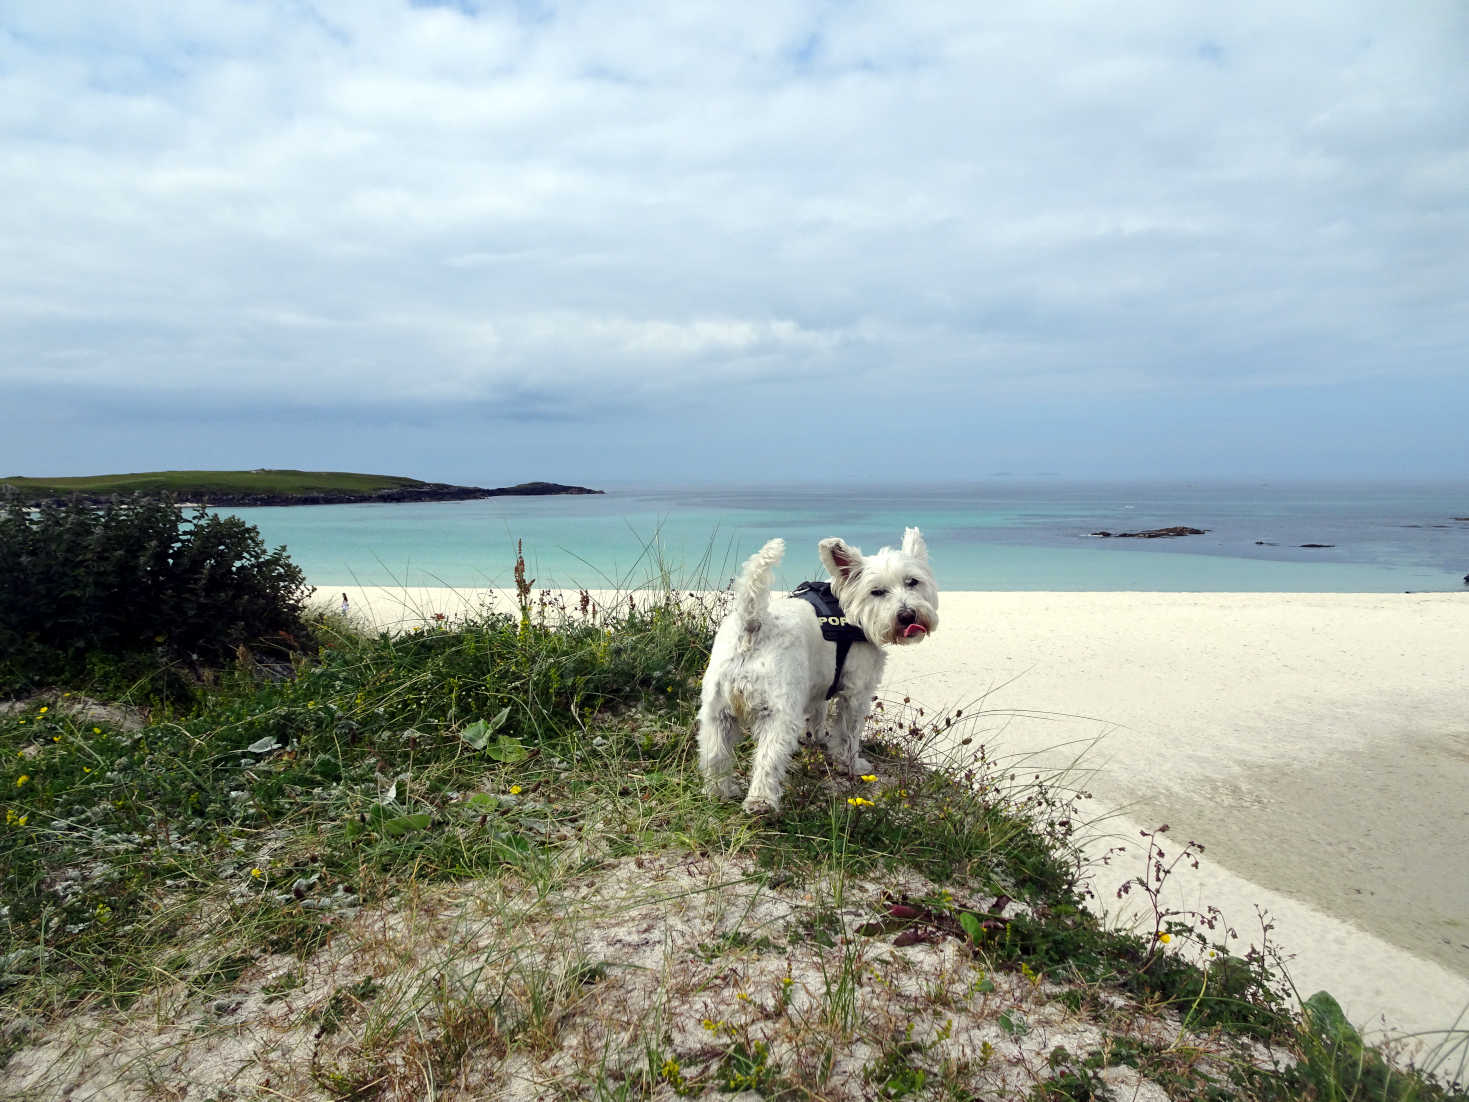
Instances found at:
x=1317 y=744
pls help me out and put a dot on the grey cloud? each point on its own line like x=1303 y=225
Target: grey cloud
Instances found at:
x=577 y=216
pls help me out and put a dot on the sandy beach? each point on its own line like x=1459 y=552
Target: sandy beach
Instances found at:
x=1317 y=745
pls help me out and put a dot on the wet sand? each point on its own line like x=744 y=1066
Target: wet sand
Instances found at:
x=1316 y=744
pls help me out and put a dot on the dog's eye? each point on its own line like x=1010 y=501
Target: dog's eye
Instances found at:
x=879 y=592
x=912 y=582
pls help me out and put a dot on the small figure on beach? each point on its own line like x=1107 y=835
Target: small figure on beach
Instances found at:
x=346 y=608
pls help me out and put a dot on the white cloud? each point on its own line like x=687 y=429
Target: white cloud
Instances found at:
x=293 y=200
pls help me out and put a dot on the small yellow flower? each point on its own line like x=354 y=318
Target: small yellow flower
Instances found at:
x=858 y=801
x=22 y=779
x=515 y=790
x=868 y=777
x=43 y=711
x=96 y=730
x=257 y=873
x=1165 y=938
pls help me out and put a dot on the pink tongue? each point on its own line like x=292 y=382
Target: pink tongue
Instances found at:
x=914 y=629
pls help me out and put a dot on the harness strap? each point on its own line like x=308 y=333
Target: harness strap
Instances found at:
x=835 y=627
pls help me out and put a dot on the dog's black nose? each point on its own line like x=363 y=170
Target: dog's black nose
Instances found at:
x=905 y=617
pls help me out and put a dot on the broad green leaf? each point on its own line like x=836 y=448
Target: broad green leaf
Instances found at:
x=1014 y=1023
x=507 y=749
x=478 y=733
x=419 y=820
x=1329 y=1022
x=971 y=925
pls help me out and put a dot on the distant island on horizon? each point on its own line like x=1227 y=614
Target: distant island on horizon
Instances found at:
x=267 y=487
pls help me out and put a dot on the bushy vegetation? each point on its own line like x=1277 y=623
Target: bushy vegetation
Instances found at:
x=82 y=588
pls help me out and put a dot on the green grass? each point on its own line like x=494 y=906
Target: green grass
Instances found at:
x=187 y=483
x=503 y=771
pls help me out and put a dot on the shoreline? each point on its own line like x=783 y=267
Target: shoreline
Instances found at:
x=1314 y=743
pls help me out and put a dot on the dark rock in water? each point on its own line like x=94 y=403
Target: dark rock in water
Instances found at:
x=537 y=489
x=1466 y=579
x=1104 y=535
x=1318 y=545
x=1266 y=543
x=1459 y=518
x=1160 y=533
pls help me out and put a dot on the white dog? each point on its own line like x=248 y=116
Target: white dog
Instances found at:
x=775 y=666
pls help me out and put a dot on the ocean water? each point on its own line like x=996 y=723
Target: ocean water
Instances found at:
x=999 y=534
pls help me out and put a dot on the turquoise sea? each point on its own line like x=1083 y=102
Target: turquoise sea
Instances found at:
x=996 y=534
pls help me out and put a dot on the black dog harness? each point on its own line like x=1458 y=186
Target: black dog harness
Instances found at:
x=834 y=625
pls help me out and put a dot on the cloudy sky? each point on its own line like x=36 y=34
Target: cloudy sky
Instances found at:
x=692 y=241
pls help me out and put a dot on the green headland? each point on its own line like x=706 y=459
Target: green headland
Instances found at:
x=269 y=487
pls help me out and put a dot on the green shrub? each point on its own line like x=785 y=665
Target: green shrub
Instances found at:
x=135 y=576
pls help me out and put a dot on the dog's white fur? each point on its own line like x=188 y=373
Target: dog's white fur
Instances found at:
x=770 y=668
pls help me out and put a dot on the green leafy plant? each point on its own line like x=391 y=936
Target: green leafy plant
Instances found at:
x=137 y=577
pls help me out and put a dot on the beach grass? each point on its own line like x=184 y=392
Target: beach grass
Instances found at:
x=474 y=859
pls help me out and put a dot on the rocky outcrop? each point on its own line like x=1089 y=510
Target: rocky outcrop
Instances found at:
x=1154 y=533
x=531 y=489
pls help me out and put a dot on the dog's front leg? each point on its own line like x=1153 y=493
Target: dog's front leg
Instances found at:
x=844 y=735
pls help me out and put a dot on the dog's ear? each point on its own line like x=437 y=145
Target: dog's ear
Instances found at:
x=913 y=544
x=841 y=561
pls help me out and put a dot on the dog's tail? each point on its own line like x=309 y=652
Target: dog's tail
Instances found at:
x=752 y=590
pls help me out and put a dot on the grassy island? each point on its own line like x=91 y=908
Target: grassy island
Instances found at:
x=268 y=487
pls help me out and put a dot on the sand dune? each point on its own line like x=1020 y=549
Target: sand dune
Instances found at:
x=1317 y=745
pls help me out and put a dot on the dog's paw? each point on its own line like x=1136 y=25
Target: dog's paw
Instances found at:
x=861 y=767
x=753 y=805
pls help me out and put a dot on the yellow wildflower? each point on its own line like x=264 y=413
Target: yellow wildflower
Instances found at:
x=858 y=801
x=515 y=790
x=257 y=873
x=869 y=777
x=1165 y=938
x=22 y=779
